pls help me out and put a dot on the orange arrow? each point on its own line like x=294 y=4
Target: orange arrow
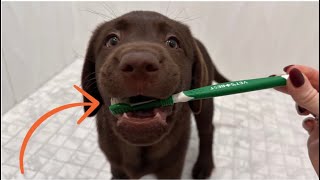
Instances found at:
x=93 y=105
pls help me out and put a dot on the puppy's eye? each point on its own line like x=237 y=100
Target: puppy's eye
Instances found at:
x=112 y=41
x=173 y=42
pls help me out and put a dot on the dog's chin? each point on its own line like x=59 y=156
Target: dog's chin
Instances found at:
x=143 y=128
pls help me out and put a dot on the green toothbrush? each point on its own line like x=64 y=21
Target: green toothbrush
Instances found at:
x=206 y=92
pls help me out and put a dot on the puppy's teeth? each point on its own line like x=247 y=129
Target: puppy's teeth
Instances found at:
x=125 y=115
x=113 y=101
x=158 y=115
x=119 y=100
x=116 y=100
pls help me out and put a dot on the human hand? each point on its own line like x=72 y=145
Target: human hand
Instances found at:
x=303 y=86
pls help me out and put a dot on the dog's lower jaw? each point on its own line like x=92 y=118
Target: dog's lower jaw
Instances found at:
x=144 y=131
x=147 y=137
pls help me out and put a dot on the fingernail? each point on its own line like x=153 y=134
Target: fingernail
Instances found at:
x=272 y=75
x=301 y=110
x=287 y=67
x=308 y=124
x=296 y=77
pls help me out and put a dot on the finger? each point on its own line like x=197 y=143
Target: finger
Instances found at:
x=282 y=89
x=309 y=124
x=302 y=91
x=310 y=73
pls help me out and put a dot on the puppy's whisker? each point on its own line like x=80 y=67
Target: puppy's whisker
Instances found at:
x=98 y=13
x=90 y=84
x=190 y=19
x=171 y=13
x=89 y=76
x=109 y=9
x=167 y=8
x=92 y=74
x=177 y=15
x=182 y=18
x=89 y=80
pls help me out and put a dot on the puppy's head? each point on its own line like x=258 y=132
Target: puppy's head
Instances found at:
x=142 y=56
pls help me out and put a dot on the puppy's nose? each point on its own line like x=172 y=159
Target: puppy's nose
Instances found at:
x=143 y=62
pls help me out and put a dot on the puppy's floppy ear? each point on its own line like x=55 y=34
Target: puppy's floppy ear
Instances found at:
x=200 y=76
x=88 y=78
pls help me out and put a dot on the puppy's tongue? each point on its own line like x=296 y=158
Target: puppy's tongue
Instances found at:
x=141 y=114
x=157 y=114
x=143 y=127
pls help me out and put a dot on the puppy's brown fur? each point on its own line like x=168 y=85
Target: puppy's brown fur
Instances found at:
x=136 y=150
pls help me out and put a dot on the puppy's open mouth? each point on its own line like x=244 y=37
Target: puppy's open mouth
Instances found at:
x=142 y=127
x=143 y=116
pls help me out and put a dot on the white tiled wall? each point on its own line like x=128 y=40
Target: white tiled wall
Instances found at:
x=245 y=39
x=37 y=44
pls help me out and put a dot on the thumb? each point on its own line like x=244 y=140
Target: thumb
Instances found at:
x=302 y=92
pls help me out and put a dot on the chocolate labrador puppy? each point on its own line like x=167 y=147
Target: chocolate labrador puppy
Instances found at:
x=142 y=56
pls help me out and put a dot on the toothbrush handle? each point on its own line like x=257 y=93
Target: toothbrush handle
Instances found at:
x=236 y=87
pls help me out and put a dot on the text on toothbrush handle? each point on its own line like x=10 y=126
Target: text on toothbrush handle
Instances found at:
x=232 y=84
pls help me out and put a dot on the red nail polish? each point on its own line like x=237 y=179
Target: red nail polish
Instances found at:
x=287 y=67
x=296 y=77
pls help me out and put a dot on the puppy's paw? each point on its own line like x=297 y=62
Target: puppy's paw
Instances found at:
x=202 y=169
